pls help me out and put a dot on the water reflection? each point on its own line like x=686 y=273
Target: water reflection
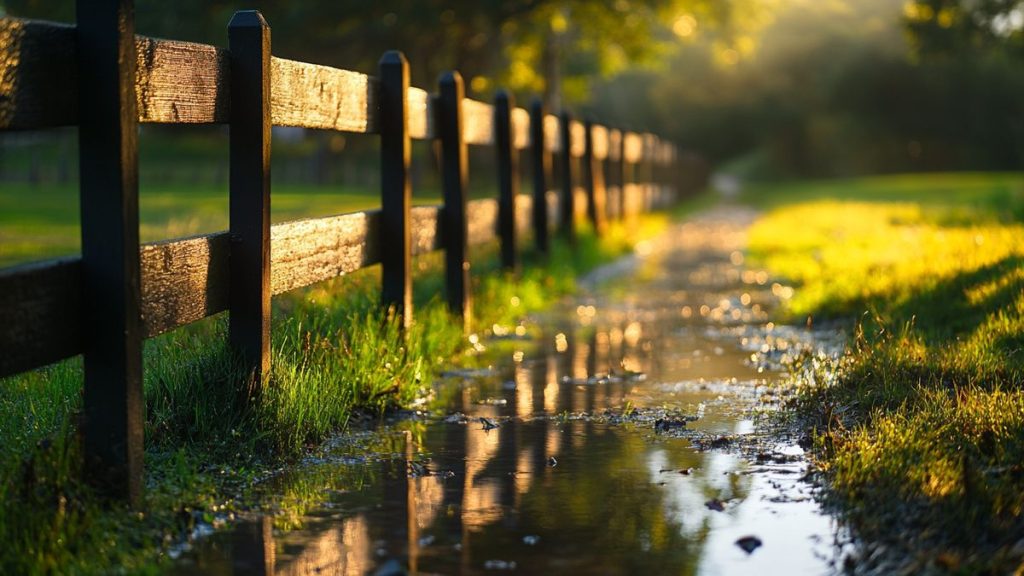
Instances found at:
x=549 y=492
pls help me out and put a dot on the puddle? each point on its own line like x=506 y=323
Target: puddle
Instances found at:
x=619 y=437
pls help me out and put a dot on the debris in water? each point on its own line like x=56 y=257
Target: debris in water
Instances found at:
x=456 y=418
x=493 y=402
x=531 y=540
x=418 y=470
x=552 y=462
x=749 y=543
x=500 y=565
x=664 y=425
x=488 y=423
x=716 y=505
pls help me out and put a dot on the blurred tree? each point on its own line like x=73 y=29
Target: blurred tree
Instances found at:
x=962 y=27
x=531 y=46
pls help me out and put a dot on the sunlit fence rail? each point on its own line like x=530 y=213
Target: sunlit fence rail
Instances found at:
x=100 y=77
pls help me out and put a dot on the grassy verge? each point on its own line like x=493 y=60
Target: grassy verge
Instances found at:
x=335 y=355
x=920 y=429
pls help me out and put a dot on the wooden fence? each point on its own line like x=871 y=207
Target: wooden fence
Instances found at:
x=101 y=77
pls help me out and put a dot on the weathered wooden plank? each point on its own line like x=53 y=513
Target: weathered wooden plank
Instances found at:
x=183 y=281
x=632 y=147
x=600 y=137
x=305 y=252
x=577 y=139
x=614 y=145
x=482 y=221
x=314 y=96
x=40 y=308
x=38 y=74
x=552 y=131
x=421 y=115
x=478 y=122
x=520 y=128
x=181 y=82
x=175 y=82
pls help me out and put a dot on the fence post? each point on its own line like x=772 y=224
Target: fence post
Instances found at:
x=454 y=179
x=541 y=164
x=626 y=177
x=508 y=178
x=567 y=206
x=249 y=212
x=114 y=408
x=396 y=190
x=614 y=170
x=593 y=180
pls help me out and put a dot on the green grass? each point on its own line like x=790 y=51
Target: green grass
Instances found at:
x=920 y=427
x=335 y=354
x=43 y=221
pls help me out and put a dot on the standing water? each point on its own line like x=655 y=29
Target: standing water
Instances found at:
x=617 y=435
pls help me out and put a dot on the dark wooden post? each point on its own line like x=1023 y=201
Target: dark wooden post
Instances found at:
x=249 y=300
x=541 y=161
x=396 y=190
x=454 y=180
x=614 y=169
x=593 y=180
x=625 y=178
x=508 y=178
x=567 y=206
x=114 y=408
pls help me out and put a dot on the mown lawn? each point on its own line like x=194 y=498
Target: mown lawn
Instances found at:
x=920 y=430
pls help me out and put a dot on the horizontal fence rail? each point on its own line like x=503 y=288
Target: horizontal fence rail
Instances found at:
x=601 y=174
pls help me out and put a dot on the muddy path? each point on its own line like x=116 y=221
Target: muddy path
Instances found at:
x=625 y=431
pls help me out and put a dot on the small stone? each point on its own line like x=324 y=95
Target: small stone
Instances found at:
x=716 y=505
x=749 y=543
x=499 y=565
x=488 y=423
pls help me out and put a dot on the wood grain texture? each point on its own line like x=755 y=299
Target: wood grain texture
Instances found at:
x=477 y=123
x=175 y=82
x=520 y=128
x=181 y=82
x=40 y=307
x=321 y=97
x=304 y=252
x=183 y=281
x=482 y=221
x=38 y=75
x=421 y=116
